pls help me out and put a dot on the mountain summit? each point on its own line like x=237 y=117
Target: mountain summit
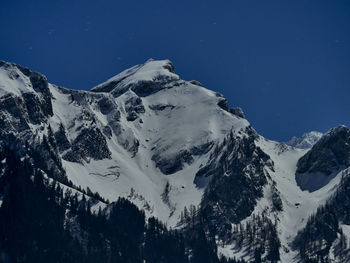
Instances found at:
x=306 y=141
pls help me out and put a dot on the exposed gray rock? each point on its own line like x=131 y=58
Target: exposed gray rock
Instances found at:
x=136 y=104
x=90 y=143
x=330 y=153
x=134 y=147
x=14 y=114
x=125 y=137
x=113 y=117
x=34 y=108
x=236 y=175
x=319 y=165
x=196 y=82
x=106 y=105
x=161 y=107
x=108 y=87
x=107 y=131
x=237 y=111
x=223 y=104
x=40 y=84
x=131 y=116
x=62 y=141
x=170 y=165
x=134 y=107
x=276 y=200
x=29 y=107
x=170 y=67
x=144 y=88
x=113 y=84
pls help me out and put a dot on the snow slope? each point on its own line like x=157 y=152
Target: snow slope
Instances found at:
x=13 y=81
x=298 y=205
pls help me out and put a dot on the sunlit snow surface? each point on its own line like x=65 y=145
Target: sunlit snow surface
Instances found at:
x=13 y=81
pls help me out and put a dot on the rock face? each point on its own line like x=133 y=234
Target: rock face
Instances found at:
x=330 y=154
x=134 y=107
x=90 y=143
x=25 y=95
x=223 y=104
x=61 y=139
x=237 y=111
x=235 y=174
x=144 y=79
x=177 y=162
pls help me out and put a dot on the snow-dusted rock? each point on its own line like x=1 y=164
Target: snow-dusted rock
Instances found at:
x=306 y=141
x=325 y=159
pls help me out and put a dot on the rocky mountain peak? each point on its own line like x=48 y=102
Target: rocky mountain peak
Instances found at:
x=25 y=97
x=16 y=79
x=330 y=154
x=306 y=141
x=340 y=130
x=143 y=79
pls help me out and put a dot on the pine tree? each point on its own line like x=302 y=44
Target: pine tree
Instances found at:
x=186 y=214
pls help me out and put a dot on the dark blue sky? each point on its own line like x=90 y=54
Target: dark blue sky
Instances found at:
x=286 y=63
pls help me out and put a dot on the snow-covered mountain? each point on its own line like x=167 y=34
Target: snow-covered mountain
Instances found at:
x=306 y=141
x=177 y=150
